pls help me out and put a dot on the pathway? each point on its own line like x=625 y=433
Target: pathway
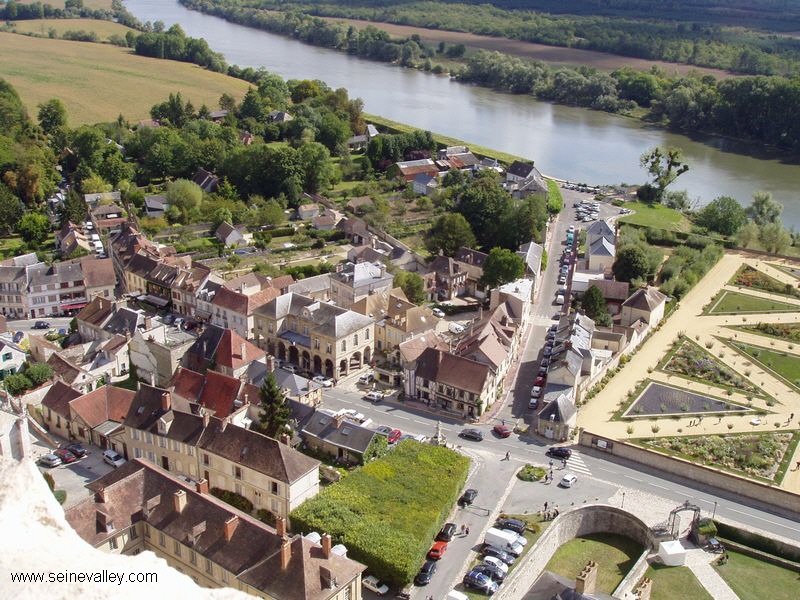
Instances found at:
x=706 y=330
x=699 y=562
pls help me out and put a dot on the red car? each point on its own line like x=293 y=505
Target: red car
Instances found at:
x=65 y=455
x=539 y=381
x=394 y=435
x=437 y=550
x=502 y=431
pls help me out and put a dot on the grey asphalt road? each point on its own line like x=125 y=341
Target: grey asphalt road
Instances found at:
x=26 y=325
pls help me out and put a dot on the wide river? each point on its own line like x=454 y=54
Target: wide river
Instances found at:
x=566 y=142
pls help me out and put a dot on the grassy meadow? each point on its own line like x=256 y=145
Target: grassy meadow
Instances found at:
x=42 y=27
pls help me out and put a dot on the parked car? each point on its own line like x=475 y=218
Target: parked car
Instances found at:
x=447 y=532
x=478 y=581
x=373 y=585
x=18 y=337
x=384 y=430
x=456 y=328
x=542 y=372
x=471 y=434
x=559 y=452
x=533 y=404
x=548 y=350
x=494 y=552
x=536 y=391
x=514 y=525
x=437 y=550
x=490 y=571
x=502 y=431
x=468 y=497
x=290 y=368
x=366 y=378
x=49 y=460
x=65 y=455
x=373 y=396
x=168 y=319
x=353 y=414
x=394 y=436
x=438 y=312
x=568 y=480
x=78 y=450
x=496 y=562
x=325 y=382
x=113 y=458
x=41 y=325
x=553 y=328
x=539 y=381
x=189 y=325
x=425 y=573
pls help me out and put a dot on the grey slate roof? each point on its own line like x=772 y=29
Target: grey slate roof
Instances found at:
x=520 y=169
x=562 y=409
x=205 y=346
x=347 y=435
x=602 y=247
x=124 y=320
x=330 y=320
x=600 y=228
x=531 y=255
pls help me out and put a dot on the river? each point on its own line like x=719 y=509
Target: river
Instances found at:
x=566 y=142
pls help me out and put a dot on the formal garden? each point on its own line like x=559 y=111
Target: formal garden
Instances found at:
x=761 y=455
x=661 y=400
x=690 y=360
x=387 y=512
x=787 y=332
x=783 y=364
x=752 y=278
x=727 y=302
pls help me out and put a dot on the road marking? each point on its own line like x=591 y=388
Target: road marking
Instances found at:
x=634 y=479
x=423 y=422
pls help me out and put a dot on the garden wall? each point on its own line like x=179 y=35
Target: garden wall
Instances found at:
x=787 y=502
x=627 y=585
x=738 y=536
x=595 y=518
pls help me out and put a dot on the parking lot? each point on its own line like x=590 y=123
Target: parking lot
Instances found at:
x=72 y=478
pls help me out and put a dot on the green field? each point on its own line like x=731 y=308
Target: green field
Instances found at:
x=728 y=302
x=614 y=555
x=786 y=366
x=103 y=29
x=388 y=511
x=657 y=216
x=753 y=579
x=97 y=82
x=96 y=4
x=666 y=580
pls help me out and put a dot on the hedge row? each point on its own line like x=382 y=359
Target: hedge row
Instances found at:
x=388 y=511
x=234 y=499
x=757 y=541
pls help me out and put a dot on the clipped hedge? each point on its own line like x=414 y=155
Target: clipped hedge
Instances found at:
x=388 y=511
x=758 y=542
x=234 y=499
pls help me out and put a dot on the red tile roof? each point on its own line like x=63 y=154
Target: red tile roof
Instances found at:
x=229 y=351
x=187 y=384
x=219 y=393
x=108 y=403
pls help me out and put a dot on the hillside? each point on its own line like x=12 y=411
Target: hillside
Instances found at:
x=97 y=82
x=42 y=27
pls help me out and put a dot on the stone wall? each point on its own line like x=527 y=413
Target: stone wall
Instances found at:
x=627 y=585
x=788 y=502
x=595 y=518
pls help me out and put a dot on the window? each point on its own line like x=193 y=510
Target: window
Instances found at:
x=269 y=327
x=355 y=340
x=134 y=434
x=151 y=457
x=273 y=487
x=146 y=530
x=162 y=541
x=316 y=344
x=134 y=535
x=328 y=348
x=189 y=450
x=176 y=445
x=347 y=594
x=192 y=557
x=162 y=441
x=224 y=576
x=112 y=543
x=206 y=461
x=344 y=345
x=148 y=437
x=238 y=489
x=7 y=356
x=137 y=453
x=366 y=334
x=209 y=567
x=177 y=548
x=237 y=472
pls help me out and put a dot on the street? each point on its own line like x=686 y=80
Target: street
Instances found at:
x=26 y=325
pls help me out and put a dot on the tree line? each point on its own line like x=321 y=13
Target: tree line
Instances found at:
x=676 y=39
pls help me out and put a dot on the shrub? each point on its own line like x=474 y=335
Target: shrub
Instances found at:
x=50 y=481
x=707 y=527
x=234 y=499
x=530 y=473
x=265 y=516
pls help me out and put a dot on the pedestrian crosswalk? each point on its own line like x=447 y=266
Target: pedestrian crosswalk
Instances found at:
x=576 y=463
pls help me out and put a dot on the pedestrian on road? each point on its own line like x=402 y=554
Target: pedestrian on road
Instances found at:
x=508 y=456
x=463 y=529
x=791 y=416
x=545 y=505
x=564 y=463
x=467 y=529
x=797 y=466
x=551 y=465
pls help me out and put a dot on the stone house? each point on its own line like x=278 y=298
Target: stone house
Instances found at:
x=647 y=304
x=338 y=437
x=353 y=281
x=229 y=235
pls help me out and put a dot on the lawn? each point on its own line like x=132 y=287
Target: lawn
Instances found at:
x=97 y=82
x=614 y=555
x=666 y=580
x=103 y=29
x=657 y=216
x=728 y=302
x=10 y=246
x=388 y=512
x=753 y=579
x=782 y=364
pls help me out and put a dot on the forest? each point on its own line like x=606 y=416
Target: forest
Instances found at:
x=706 y=44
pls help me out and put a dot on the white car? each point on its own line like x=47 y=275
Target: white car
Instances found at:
x=571 y=228
x=456 y=328
x=497 y=563
x=373 y=585
x=323 y=381
x=568 y=480
x=536 y=391
x=373 y=396
x=113 y=459
x=438 y=312
x=367 y=377
x=353 y=414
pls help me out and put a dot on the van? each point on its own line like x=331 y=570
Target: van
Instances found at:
x=505 y=540
x=456 y=328
x=560 y=299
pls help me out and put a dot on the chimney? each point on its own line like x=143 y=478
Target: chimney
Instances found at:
x=326 y=578
x=152 y=379
x=280 y=526
x=285 y=439
x=286 y=552
x=242 y=349
x=206 y=418
x=148 y=323
x=326 y=545
x=229 y=527
x=202 y=486
x=586 y=581
x=166 y=401
x=179 y=500
x=104 y=522
x=101 y=496
x=270 y=363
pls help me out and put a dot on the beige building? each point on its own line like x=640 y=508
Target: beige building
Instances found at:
x=316 y=336
x=156 y=350
x=646 y=304
x=353 y=281
x=273 y=476
x=140 y=507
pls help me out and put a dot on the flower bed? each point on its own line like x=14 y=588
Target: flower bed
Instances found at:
x=692 y=361
x=757 y=454
x=789 y=332
x=749 y=277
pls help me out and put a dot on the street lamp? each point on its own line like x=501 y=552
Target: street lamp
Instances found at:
x=714 y=514
x=623 y=500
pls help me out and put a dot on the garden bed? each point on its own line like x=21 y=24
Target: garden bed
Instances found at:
x=751 y=454
x=727 y=302
x=749 y=277
x=787 y=332
x=781 y=364
x=659 y=400
x=693 y=362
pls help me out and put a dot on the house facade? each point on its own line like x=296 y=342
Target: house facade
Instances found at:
x=353 y=281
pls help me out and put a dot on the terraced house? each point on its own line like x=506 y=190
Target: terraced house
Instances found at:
x=169 y=431
x=140 y=507
x=316 y=336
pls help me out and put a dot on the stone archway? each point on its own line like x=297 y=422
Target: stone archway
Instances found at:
x=355 y=361
x=294 y=355
x=367 y=355
x=328 y=368
x=306 y=360
x=317 y=364
x=343 y=367
x=281 y=351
